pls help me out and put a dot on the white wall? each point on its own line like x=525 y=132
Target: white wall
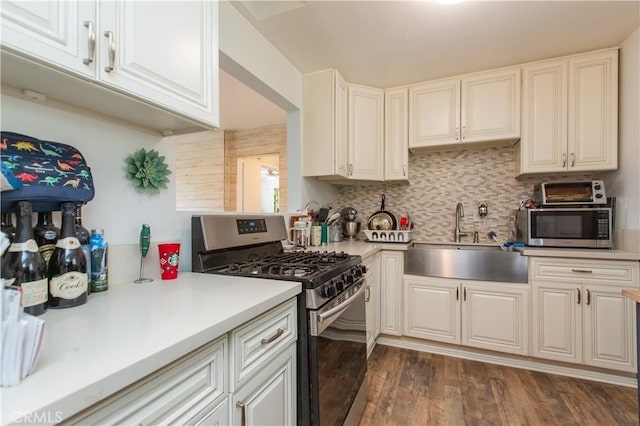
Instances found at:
x=625 y=182
x=117 y=206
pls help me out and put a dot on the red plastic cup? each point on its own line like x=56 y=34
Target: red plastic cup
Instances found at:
x=169 y=260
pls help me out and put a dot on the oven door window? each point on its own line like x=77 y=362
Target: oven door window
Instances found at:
x=338 y=360
x=574 y=225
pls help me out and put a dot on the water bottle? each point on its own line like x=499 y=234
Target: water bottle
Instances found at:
x=99 y=280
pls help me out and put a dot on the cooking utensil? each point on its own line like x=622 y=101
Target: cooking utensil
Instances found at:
x=382 y=219
x=334 y=216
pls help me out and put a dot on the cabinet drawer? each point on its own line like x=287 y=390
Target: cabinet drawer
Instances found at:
x=584 y=271
x=172 y=395
x=259 y=341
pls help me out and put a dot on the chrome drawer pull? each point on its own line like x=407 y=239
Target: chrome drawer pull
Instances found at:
x=112 y=51
x=272 y=338
x=92 y=43
x=243 y=420
x=584 y=271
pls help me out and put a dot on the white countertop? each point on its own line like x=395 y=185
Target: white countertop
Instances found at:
x=602 y=254
x=131 y=330
x=360 y=247
x=365 y=249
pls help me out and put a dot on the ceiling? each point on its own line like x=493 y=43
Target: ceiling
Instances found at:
x=391 y=43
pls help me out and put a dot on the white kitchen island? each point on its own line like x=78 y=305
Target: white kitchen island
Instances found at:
x=128 y=332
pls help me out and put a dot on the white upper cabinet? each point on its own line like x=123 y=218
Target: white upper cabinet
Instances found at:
x=434 y=113
x=570 y=114
x=482 y=107
x=162 y=55
x=60 y=33
x=162 y=52
x=366 y=133
x=396 y=134
x=324 y=114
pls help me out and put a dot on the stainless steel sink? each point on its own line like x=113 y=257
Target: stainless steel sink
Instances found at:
x=466 y=262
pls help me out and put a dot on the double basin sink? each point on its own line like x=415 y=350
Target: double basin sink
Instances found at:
x=466 y=262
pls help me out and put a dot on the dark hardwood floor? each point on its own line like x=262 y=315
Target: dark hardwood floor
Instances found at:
x=416 y=388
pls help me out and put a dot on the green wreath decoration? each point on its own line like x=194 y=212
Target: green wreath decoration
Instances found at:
x=147 y=171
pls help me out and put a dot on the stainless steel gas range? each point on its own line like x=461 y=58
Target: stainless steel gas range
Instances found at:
x=332 y=360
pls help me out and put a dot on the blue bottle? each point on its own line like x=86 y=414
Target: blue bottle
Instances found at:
x=99 y=280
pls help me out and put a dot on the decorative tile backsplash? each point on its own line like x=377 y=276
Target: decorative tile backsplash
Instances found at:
x=440 y=179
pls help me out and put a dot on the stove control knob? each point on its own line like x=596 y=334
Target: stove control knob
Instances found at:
x=328 y=290
x=348 y=278
x=339 y=285
x=359 y=271
x=363 y=269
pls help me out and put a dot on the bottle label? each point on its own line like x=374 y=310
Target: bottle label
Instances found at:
x=49 y=235
x=47 y=250
x=68 y=243
x=69 y=285
x=29 y=245
x=34 y=293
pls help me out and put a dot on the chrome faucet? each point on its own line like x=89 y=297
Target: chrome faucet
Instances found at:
x=457 y=233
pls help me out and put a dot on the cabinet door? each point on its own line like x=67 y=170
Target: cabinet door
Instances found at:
x=373 y=300
x=217 y=416
x=609 y=328
x=593 y=112
x=432 y=308
x=392 y=267
x=341 y=136
x=496 y=317
x=366 y=138
x=543 y=146
x=162 y=52
x=491 y=106
x=557 y=322
x=396 y=134
x=434 y=113
x=58 y=33
x=269 y=398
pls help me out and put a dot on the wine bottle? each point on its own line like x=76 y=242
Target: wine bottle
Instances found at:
x=46 y=235
x=23 y=262
x=84 y=237
x=68 y=278
x=7 y=226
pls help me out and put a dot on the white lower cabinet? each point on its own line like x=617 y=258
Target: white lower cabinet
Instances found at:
x=177 y=394
x=391 y=300
x=245 y=377
x=485 y=315
x=372 y=298
x=270 y=396
x=579 y=314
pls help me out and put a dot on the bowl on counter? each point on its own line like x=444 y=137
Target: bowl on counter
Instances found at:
x=351 y=229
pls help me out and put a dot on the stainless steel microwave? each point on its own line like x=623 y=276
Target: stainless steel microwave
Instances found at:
x=566 y=227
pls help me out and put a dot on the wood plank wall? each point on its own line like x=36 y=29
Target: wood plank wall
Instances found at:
x=199 y=171
x=269 y=140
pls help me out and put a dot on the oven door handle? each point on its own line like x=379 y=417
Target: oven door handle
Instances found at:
x=341 y=307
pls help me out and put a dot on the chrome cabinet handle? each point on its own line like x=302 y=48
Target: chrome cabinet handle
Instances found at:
x=404 y=170
x=91 y=51
x=367 y=296
x=457 y=133
x=573 y=159
x=464 y=132
x=584 y=271
x=272 y=338
x=588 y=297
x=564 y=159
x=464 y=295
x=458 y=293
x=243 y=418
x=112 y=51
x=578 y=290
